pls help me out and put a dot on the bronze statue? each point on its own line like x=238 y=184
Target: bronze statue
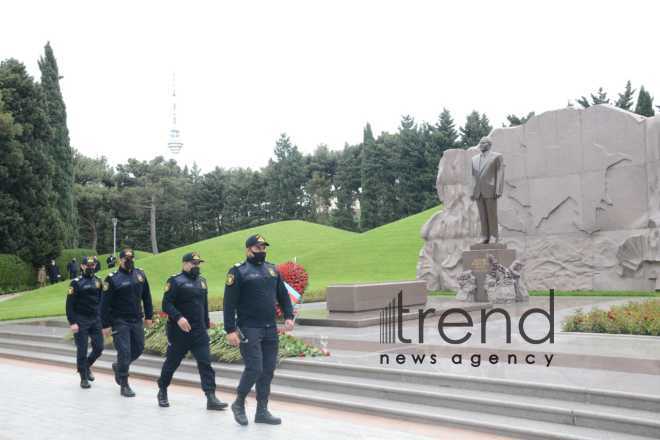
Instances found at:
x=488 y=173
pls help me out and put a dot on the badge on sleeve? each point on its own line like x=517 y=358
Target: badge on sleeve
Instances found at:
x=70 y=290
x=98 y=284
x=230 y=279
x=272 y=272
x=167 y=286
x=106 y=286
x=203 y=284
x=140 y=278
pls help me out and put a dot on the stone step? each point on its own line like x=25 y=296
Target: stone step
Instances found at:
x=501 y=424
x=526 y=407
x=432 y=380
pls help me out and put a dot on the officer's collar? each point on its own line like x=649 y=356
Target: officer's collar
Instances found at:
x=189 y=275
x=121 y=268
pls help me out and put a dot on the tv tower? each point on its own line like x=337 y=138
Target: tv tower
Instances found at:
x=175 y=143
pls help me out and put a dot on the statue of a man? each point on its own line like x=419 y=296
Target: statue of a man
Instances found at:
x=488 y=173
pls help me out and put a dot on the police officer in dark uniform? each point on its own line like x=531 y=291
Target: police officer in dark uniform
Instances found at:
x=83 y=312
x=186 y=303
x=252 y=289
x=124 y=291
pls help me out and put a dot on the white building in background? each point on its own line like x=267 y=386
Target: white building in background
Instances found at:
x=174 y=143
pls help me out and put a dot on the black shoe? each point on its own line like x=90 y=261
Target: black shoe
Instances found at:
x=238 y=408
x=90 y=376
x=126 y=390
x=264 y=416
x=83 y=381
x=162 y=398
x=213 y=403
x=114 y=368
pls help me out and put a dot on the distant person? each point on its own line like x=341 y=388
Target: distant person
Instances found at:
x=186 y=303
x=84 y=315
x=124 y=292
x=41 y=276
x=252 y=289
x=72 y=268
x=97 y=264
x=53 y=272
x=111 y=261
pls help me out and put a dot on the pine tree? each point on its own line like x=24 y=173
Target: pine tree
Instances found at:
x=644 y=105
x=286 y=176
x=60 y=149
x=519 y=120
x=410 y=166
x=476 y=126
x=347 y=188
x=599 y=98
x=446 y=134
x=34 y=229
x=625 y=100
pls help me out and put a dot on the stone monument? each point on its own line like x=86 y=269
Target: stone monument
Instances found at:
x=580 y=204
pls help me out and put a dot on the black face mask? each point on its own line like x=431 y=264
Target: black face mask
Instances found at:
x=88 y=272
x=129 y=265
x=194 y=271
x=257 y=258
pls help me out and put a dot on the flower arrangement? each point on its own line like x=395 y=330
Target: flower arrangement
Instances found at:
x=295 y=276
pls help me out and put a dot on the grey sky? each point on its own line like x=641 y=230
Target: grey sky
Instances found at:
x=247 y=71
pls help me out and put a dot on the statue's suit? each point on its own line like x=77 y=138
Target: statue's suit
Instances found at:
x=488 y=173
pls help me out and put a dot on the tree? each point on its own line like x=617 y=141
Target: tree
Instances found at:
x=286 y=176
x=476 y=126
x=625 y=100
x=320 y=170
x=600 y=97
x=60 y=149
x=347 y=188
x=92 y=189
x=445 y=133
x=519 y=120
x=412 y=181
x=33 y=228
x=644 y=105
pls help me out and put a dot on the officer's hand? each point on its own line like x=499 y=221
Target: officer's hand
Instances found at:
x=288 y=325
x=233 y=339
x=74 y=328
x=183 y=324
x=107 y=331
x=148 y=322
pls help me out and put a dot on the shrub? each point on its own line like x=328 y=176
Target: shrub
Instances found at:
x=68 y=254
x=636 y=318
x=290 y=346
x=15 y=274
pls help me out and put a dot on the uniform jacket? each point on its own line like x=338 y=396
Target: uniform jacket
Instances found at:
x=251 y=292
x=84 y=299
x=123 y=295
x=187 y=296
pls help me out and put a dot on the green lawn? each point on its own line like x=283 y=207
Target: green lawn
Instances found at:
x=330 y=255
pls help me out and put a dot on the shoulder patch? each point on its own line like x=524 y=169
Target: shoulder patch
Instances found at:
x=71 y=290
x=106 y=287
x=231 y=279
x=98 y=283
x=168 y=286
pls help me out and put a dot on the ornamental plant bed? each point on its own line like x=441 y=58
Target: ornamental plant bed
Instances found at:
x=633 y=318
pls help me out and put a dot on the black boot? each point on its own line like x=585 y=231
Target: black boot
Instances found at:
x=126 y=390
x=83 y=380
x=238 y=408
x=213 y=403
x=114 y=369
x=90 y=376
x=264 y=416
x=162 y=398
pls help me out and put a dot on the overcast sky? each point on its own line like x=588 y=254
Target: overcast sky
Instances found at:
x=247 y=71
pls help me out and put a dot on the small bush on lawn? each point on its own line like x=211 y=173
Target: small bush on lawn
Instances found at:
x=634 y=318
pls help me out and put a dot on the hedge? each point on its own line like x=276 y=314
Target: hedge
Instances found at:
x=68 y=254
x=15 y=274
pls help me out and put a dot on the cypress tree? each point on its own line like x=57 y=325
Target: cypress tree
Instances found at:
x=644 y=105
x=60 y=149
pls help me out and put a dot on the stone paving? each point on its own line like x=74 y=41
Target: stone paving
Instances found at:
x=45 y=402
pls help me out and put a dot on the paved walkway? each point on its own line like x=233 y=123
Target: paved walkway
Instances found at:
x=45 y=402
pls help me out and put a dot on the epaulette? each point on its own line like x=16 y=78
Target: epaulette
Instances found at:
x=239 y=264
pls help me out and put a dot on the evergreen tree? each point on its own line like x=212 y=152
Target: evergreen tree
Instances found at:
x=519 y=120
x=347 y=188
x=476 y=126
x=286 y=177
x=33 y=229
x=445 y=133
x=644 y=105
x=410 y=168
x=370 y=178
x=600 y=97
x=625 y=100
x=60 y=150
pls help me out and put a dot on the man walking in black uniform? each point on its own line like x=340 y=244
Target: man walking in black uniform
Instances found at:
x=186 y=303
x=83 y=312
x=123 y=293
x=251 y=290
x=53 y=273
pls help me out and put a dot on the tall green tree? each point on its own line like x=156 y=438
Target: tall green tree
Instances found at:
x=476 y=126
x=410 y=165
x=32 y=229
x=625 y=100
x=92 y=189
x=644 y=105
x=347 y=183
x=60 y=149
x=286 y=176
